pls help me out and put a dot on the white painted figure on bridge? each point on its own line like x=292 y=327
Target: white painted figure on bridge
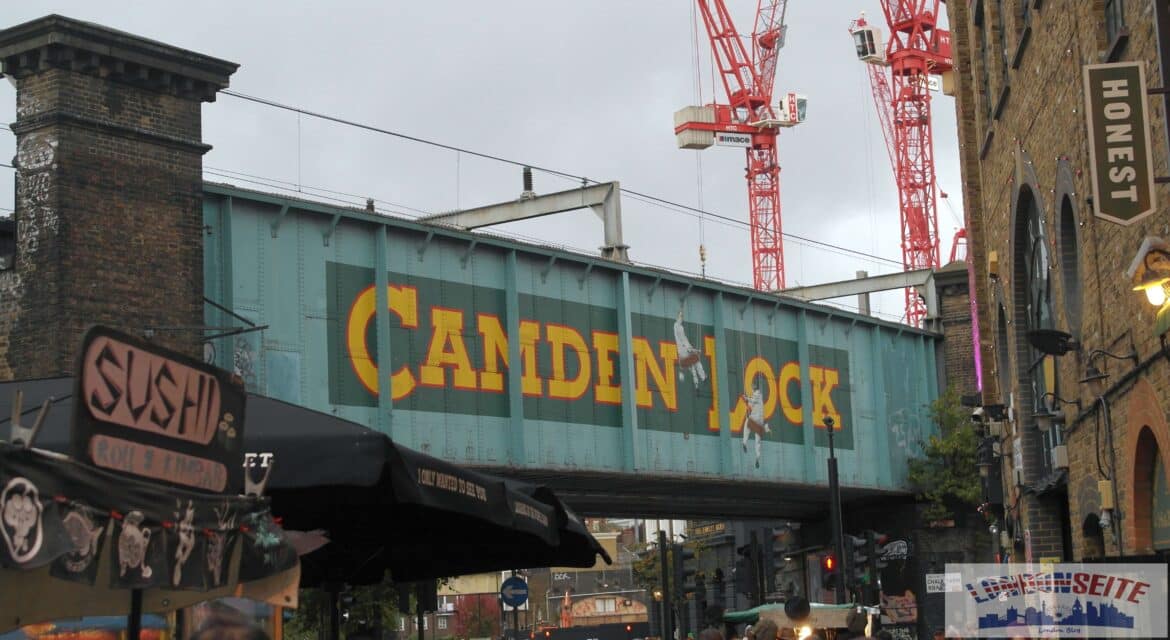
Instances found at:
x=753 y=423
x=689 y=358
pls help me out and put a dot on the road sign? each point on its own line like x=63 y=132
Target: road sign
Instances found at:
x=514 y=591
x=943 y=583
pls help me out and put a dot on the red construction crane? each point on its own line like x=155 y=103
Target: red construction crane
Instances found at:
x=748 y=120
x=916 y=50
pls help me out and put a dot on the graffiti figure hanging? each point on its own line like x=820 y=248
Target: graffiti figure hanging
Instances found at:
x=689 y=358
x=132 y=544
x=186 y=539
x=753 y=423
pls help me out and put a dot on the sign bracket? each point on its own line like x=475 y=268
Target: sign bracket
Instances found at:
x=21 y=435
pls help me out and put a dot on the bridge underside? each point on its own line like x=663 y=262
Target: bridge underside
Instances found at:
x=630 y=495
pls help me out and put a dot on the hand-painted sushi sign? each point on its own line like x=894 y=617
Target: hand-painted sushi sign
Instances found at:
x=149 y=412
x=449 y=353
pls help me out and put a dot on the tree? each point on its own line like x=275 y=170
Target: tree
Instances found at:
x=367 y=606
x=477 y=616
x=947 y=475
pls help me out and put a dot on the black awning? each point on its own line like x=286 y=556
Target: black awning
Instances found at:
x=383 y=505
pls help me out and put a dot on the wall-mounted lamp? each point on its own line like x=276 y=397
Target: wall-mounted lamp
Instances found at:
x=1094 y=377
x=1050 y=413
x=1150 y=270
x=1052 y=342
x=986 y=454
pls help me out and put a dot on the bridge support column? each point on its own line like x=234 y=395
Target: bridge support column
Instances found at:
x=806 y=404
x=722 y=385
x=630 y=444
x=516 y=445
x=384 y=421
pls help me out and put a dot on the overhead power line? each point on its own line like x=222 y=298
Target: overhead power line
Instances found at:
x=695 y=212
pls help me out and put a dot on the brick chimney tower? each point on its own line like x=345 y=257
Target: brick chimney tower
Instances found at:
x=109 y=188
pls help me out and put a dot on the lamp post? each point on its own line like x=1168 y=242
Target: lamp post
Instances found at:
x=835 y=512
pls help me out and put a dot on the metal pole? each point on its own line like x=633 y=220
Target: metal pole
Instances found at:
x=664 y=572
x=515 y=617
x=334 y=615
x=835 y=516
x=134 y=620
x=418 y=612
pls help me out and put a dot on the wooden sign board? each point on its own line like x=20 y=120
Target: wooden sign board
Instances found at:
x=148 y=412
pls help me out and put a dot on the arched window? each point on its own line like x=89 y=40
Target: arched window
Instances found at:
x=1032 y=294
x=1070 y=277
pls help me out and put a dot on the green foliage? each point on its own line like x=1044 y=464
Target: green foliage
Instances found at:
x=369 y=603
x=477 y=616
x=645 y=569
x=947 y=475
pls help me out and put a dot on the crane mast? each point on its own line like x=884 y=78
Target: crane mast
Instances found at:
x=916 y=50
x=748 y=84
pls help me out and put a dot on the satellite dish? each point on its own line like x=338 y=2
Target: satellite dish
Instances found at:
x=1052 y=342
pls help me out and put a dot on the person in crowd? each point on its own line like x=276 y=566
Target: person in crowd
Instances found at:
x=226 y=623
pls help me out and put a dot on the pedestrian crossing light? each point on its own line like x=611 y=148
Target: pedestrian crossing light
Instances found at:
x=829 y=571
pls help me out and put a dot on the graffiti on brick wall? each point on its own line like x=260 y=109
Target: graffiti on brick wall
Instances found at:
x=10 y=292
x=28 y=103
x=35 y=156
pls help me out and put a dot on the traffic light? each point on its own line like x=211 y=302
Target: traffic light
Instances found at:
x=685 y=567
x=829 y=571
x=874 y=543
x=629 y=631
x=855 y=547
x=745 y=571
x=772 y=560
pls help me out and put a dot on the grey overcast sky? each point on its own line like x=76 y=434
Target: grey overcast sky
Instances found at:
x=588 y=88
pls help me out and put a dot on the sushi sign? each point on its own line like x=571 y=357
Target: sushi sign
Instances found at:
x=148 y=412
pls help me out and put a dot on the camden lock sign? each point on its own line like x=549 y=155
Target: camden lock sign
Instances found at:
x=151 y=413
x=1119 y=141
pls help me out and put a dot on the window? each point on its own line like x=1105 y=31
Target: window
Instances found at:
x=7 y=243
x=1003 y=361
x=1070 y=277
x=606 y=605
x=1001 y=33
x=1114 y=21
x=442 y=622
x=1040 y=369
x=984 y=75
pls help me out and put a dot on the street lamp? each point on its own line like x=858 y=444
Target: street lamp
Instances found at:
x=1094 y=377
x=1150 y=270
x=1048 y=414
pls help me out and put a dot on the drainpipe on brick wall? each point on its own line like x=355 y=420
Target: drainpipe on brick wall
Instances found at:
x=1118 y=512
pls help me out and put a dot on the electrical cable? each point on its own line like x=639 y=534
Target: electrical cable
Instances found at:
x=584 y=180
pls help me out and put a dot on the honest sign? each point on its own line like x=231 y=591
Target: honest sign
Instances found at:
x=1119 y=141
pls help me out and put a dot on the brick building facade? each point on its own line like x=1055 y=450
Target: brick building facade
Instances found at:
x=1044 y=261
x=109 y=191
